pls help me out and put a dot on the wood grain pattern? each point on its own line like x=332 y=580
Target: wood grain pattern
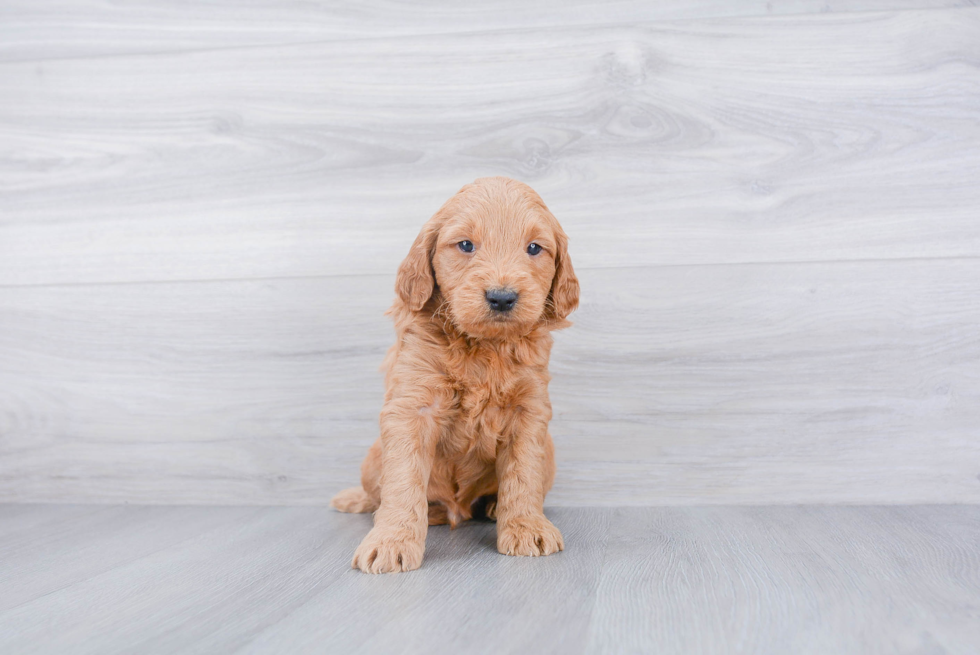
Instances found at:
x=46 y=557
x=790 y=580
x=713 y=141
x=854 y=383
x=772 y=206
x=76 y=28
x=722 y=580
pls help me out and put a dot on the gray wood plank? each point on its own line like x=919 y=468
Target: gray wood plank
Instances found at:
x=802 y=138
x=281 y=578
x=667 y=580
x=49 y=557
x=76 y=28
x=844 y=382
x=484 y=602
x=225 y=584
x=790 y=580
x=19 y=523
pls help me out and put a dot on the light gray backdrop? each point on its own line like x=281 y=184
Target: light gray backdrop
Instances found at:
x=774 y=213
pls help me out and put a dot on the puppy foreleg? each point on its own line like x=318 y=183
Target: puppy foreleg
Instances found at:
x=524 y=476
x=397 y=541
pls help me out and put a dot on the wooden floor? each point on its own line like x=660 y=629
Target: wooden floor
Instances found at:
x=803 y=579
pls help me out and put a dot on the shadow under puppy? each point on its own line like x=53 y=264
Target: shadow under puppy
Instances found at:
x=466 y=411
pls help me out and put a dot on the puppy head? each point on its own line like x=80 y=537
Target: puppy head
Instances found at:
x=498 y=260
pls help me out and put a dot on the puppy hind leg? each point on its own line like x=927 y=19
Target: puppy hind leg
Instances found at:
x=438 y=514
x=485 y=507
x=367 y=497
x=354 y=501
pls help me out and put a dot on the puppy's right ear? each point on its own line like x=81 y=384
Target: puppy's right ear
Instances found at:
x=416 y=280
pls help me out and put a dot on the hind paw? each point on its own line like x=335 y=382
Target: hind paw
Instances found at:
x=354 y=501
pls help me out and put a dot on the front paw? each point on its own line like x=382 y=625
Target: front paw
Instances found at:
x=388 y=551
x=530 y=536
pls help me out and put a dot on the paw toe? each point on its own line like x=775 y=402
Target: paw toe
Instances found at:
x=387 y=554
x=530 y=538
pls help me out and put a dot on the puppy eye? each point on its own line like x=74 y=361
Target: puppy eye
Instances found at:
x=533 y=249
x=465 y=246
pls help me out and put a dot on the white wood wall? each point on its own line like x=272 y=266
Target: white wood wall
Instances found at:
x=774 y=210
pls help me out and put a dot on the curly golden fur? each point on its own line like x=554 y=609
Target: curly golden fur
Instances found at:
x=466 y=411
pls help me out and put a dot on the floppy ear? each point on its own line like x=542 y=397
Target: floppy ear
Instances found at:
x=564 y=287
x=416 y=280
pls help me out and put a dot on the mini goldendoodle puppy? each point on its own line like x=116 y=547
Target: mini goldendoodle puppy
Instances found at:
x=466 y=411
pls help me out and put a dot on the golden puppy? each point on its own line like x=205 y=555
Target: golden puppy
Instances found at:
x=466 y=410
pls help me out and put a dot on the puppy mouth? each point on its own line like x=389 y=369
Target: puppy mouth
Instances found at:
x=494 y=325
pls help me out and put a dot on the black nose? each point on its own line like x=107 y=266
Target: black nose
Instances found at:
x=501 y=300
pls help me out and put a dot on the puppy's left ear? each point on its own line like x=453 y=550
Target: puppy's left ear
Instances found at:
x=564 y=287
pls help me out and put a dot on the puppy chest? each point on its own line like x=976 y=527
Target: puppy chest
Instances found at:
x=494 y=395
x=486 y=413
